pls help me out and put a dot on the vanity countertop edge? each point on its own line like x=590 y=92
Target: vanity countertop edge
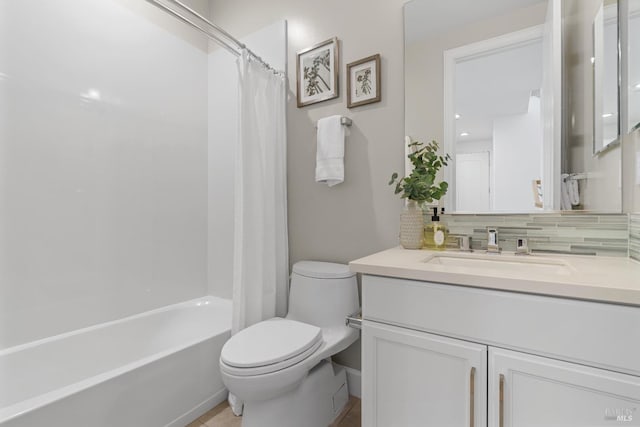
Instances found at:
x=613 y=280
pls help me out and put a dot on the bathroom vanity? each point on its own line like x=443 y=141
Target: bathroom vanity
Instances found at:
x=499 y=340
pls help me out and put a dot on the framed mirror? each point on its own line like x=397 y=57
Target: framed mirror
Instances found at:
x=508 y=87
x=630 y=10
x=606 y=88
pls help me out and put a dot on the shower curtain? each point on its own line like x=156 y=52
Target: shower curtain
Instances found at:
x=260 y=273
x=260 y=263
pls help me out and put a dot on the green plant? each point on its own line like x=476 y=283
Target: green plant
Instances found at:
x=420 y=185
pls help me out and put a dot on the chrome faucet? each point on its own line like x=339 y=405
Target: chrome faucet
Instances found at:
x=492 y=240
x=464 y=243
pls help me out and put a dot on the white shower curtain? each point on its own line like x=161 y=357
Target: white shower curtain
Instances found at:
x=260 y=270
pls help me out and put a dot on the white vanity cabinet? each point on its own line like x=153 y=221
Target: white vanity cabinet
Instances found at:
x=536 y=360
x=418 y=379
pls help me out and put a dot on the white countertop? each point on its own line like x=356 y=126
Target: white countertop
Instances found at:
x=596 y=278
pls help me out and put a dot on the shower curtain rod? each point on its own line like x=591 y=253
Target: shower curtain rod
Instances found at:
x=231 y=44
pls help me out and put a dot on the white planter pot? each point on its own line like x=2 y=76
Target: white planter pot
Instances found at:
x=412 y=226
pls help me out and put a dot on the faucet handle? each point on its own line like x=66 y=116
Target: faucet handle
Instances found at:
x=464 y=243
x=492 y=240
x=521 y=246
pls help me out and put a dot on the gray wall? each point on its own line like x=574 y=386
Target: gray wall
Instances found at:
x=361 y=215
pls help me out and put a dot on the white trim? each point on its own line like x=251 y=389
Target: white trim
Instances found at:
x=551 y=190
x=354 y=380
x=465 y=53
x=200 y=409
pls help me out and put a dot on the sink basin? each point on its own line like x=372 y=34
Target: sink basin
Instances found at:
x=500 y=262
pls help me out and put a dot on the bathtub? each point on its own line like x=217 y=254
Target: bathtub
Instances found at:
x=158 y=368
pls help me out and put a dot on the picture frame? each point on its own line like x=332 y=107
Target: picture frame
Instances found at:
x=363 y=81
x=317 y=73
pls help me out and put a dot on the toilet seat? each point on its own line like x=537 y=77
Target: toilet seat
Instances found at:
x=269 y=346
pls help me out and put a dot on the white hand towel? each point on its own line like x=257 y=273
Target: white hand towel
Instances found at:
x=330 y=152
x=574 y=191
x=565 y=199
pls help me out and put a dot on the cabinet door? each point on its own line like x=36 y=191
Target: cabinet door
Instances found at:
x=527 y=391
x=412 y=378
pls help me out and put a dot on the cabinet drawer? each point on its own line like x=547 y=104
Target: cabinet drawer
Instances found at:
x=595 y=334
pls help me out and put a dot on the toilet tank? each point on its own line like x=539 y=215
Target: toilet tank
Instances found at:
x=322 y=293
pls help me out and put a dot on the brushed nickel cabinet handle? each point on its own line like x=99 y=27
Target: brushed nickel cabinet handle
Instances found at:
x=501 y=422
x=472 y=389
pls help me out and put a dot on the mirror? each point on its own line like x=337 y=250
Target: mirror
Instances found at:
x=489 y=80
x=632 y=64
x=605 y=76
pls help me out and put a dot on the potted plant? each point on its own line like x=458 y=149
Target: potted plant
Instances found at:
x=419 y=187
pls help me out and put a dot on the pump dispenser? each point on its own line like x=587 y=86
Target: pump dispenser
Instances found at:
x=435 y=233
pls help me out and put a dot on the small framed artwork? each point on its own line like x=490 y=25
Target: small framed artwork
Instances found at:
x=317 y=73
x=363 y=81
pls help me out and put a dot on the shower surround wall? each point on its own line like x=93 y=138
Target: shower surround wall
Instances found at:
x=103 y=164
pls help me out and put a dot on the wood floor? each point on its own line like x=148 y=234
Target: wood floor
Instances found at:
x=221 y=416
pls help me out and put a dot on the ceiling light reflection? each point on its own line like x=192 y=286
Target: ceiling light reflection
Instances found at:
x=91 y=95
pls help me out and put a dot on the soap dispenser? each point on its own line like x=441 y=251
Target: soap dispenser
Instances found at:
x=435 y=233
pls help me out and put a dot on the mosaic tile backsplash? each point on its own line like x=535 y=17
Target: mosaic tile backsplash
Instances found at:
x=565 y=233
x=634 y=236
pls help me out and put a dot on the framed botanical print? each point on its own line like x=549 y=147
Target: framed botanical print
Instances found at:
x=363 y=81
x=317 y=73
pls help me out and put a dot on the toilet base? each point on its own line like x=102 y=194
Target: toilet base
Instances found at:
x=316 y=402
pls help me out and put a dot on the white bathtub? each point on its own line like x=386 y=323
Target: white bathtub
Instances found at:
x=158 y=368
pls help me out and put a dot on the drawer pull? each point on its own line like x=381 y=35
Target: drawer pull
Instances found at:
x=501 y=423
x=472 y=388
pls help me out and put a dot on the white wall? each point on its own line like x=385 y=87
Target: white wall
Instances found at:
x=517 y=155
x=474 y=146
x=103 y=164
x=270 y=43
x=631 y=171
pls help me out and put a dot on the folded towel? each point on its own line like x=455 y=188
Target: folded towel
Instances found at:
x=565 y=199
x=574 y=192
x=330 y=152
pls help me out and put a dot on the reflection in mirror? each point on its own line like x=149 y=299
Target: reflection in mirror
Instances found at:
x=605 y=76
x=633 y=64
x=508 y=87
x=496 y=66
x=497 y=139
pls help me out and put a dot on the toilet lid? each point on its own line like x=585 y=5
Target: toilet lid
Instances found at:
x=270 y=342
x=322 y=270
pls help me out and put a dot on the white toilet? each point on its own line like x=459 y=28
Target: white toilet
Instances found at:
x=281 y=368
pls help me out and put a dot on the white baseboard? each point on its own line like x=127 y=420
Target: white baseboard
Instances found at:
x=200 y=409
x=354 y=381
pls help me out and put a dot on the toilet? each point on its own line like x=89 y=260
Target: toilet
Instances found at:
x=281 y=368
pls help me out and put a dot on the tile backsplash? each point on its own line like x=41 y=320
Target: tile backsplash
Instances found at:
x=567 y=233
x=634 y=236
